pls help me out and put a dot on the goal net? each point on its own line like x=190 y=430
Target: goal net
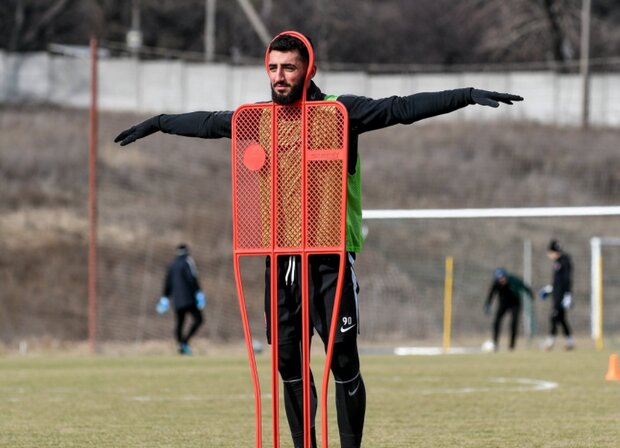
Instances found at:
x=403 y=270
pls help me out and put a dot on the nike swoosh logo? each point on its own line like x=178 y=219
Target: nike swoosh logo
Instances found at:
x=352 y=392
x=345 y=329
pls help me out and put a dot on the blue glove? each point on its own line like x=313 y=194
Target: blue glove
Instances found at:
x=545 y=291
x=163 y=305
x=567 y=301
x=201 y=300
x=487 y=309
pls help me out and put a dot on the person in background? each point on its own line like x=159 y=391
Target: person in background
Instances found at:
x=182 y=285
x=561 y=291
x=509 y=289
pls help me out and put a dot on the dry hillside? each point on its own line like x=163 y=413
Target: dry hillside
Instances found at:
x=164 y=189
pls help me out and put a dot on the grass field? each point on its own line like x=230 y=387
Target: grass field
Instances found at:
x=521 y=399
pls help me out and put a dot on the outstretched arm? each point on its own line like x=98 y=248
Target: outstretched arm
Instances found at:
x=366 y=114
x=193 y=124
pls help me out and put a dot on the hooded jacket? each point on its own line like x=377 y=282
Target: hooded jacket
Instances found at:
x=182 y=282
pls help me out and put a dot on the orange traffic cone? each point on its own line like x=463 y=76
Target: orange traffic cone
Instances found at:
x=613 y=373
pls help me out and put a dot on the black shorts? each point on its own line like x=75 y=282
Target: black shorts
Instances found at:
x=322 y=282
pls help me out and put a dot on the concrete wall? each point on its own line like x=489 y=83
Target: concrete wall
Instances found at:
x=173 y=86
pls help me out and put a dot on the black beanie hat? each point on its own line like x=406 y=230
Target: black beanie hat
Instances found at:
x=554 y=246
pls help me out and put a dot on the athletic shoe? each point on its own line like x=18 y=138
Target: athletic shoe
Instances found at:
x=548 y=344
x=185 y=349
x=570 y=344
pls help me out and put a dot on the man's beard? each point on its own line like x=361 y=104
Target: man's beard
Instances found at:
x=286 y=99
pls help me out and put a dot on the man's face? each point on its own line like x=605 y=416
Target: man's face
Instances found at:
x=287 y=71
x=503 y=280
x=553 y=255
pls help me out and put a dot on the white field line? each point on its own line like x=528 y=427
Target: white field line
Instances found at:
x=508 y=385
x=433 y=351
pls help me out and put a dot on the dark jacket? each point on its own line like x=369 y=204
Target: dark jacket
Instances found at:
x=181 y=282
x=509 y=293
x=365 y=114
x=562 y=278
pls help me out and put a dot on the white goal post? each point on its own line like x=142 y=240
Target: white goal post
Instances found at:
x=596 y=298
x=596 y=243
x=522 y=212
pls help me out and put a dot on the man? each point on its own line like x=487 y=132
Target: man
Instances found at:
x=560 y=290
x=182 y=285
x=287 y=63
x=509 y=289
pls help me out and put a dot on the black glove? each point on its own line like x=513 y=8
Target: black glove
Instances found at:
x=138 y=131
x=486 y=98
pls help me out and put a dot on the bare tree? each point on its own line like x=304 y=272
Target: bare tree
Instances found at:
x=27 y=25
x=427 y=32
x=522 y=30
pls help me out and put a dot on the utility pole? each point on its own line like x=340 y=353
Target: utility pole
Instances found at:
x=210 y=9
x=134 y=35
x=92 y=201
x=255 y=21
x=586 y=8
